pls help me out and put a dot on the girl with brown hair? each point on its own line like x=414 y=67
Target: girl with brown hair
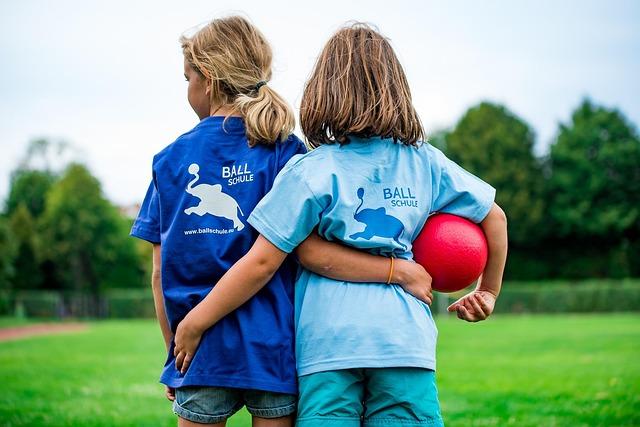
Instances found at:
x=365 y=352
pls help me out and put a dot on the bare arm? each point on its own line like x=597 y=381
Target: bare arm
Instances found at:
x=495 y=228
x=158 y=302
x=242 y=281
x=158 y=299
x=479 y=304
x=340 y=262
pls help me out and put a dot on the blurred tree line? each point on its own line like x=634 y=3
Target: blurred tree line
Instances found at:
x=574 y=213
x=59 y=232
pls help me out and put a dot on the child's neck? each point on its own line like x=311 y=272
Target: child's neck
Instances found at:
x=223 y=110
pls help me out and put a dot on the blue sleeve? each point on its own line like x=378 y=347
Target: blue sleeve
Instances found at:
x=147 y=224
x=289 y=212
x=458 y=192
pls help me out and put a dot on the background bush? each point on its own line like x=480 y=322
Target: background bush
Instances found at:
x=516 y=297
x=596 y=296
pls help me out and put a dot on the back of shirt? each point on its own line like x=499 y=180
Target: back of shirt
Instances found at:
x=204 y=187
x=376 y=195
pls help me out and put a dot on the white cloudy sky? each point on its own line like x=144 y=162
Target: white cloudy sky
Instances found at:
x=107 y=76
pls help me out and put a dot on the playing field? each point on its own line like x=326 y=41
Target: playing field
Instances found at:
x=520 y=371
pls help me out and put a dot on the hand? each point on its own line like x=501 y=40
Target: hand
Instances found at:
x=475 y=306
x=414 y=279
x=170 y=392
x=186 y=341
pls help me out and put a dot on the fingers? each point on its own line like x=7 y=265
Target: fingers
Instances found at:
x=463 y=310
x=426 y=297
x=485 y=305
x=479 y=313
x=185 y=363
x=183 y=360
x=472 y=309
x=454 y=306
x=179 y=359
x=463 y=313
x=468 y=306
x=170 y=393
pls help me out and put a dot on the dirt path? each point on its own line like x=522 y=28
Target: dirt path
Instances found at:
x=18 y=332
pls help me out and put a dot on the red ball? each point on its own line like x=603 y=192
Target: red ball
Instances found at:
x=453 y=250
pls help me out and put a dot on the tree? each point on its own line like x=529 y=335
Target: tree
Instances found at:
x=84 y=235
x=29 y=187
x=438 y=138
x=594 y=187
x=7 y=255
x=47 y=155
x=35 y=174
x=492 y=143
x=28 y=274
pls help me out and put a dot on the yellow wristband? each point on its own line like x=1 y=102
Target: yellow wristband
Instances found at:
x=390 y=272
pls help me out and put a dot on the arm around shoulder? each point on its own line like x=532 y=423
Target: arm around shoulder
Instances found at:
x=242 y=281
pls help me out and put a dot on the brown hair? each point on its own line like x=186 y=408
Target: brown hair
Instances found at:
x=359 y=88
x=235 y=59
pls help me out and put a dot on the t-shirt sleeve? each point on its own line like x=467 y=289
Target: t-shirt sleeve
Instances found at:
x=458 y=192
x=289 y=212
x=147 y=224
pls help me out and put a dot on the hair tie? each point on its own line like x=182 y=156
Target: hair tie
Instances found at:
x=260 y=84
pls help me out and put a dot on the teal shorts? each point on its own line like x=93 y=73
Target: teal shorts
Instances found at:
x=380 y=397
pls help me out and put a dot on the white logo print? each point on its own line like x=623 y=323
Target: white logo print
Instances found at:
x=212 y=200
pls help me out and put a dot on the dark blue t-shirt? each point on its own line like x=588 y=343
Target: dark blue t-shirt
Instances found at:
x=204 y=187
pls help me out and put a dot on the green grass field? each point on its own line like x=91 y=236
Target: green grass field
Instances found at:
x=520 y=371
x=9 y=322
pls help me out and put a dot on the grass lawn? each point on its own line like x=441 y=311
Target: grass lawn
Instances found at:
x=520 y=371
x=10 y=322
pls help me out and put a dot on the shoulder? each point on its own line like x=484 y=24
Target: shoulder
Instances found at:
x=287 y=149
x=293 y=143
x=317 y=160
x=291 y=146
x=176 y=147
x=432 y=157
x=429 y=151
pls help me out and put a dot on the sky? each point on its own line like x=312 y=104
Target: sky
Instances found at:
x=107 y=77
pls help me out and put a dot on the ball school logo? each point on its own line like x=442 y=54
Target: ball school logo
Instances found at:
x=377 y=222
x=212 y=200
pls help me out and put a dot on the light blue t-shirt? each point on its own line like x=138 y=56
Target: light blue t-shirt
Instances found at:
x=376 y=195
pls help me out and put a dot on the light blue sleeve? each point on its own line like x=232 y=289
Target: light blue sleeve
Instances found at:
x=289 y=212
x=458 y=192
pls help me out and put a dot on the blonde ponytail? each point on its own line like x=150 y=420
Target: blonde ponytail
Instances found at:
x=267 y=116
x=235 y=59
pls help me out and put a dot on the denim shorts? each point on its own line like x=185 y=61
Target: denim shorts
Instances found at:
x=210 y=405
x=369 y=397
